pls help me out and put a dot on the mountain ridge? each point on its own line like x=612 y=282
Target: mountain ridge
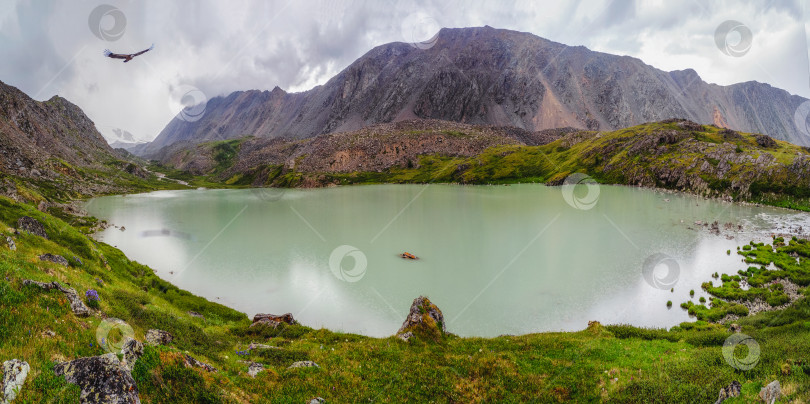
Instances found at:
x=495 y=77
x=51 y=151
x=674 y=154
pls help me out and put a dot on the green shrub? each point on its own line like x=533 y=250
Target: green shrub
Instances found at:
x=171 y=382
x=281 y=357
x=53 y=388
x=284 y=330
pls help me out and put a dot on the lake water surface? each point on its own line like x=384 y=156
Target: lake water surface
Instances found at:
x=496 y=259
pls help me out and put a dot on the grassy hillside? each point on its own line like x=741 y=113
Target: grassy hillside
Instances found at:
x=674 y=154
x=113 y=176
x=601 y=363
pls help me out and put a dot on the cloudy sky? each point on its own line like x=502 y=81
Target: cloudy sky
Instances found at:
x=49 y=48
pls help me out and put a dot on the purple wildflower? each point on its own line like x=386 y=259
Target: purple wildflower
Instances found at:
x=92 y=295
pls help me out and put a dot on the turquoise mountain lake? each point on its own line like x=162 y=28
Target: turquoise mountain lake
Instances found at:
x=496 y=259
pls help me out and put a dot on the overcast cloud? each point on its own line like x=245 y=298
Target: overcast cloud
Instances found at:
x=50 y=48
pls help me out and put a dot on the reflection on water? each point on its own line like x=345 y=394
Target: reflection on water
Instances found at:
x=496 y=260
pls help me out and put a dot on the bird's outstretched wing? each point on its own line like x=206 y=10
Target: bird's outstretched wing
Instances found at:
x=143 y=51
x=109 y=54
x=126 y=57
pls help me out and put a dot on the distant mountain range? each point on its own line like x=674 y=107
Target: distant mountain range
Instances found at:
x=492 y=77
x=122 y=139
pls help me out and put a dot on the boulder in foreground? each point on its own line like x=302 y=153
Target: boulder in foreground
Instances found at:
x=103 y=379
x=14 y=373
x=273 y=320
x=424 y=320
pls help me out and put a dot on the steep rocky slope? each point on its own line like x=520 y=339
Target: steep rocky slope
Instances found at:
x=674 y=154
x=52 y=151
x=493 y=77
x=375 y=148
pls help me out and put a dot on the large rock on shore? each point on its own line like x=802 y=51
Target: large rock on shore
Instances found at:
x=424 y=320
x=32 y=226
x=273 y=320
x=103 y=379
x=14 y=373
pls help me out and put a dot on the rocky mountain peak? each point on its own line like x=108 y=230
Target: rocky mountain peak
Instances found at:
x=497 y=77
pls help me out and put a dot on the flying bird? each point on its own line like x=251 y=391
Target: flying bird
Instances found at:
x=126 y=57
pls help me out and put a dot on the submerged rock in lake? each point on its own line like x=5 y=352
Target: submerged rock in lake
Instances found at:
x=424 y=320
x=32 y=226
x=15 y=372
x=102 y=379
